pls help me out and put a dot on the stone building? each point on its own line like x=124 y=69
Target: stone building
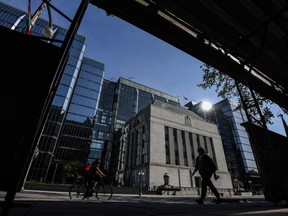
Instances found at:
x=163 y=139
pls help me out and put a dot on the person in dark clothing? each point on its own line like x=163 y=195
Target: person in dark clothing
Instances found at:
x=93 y=176
x=206 y=168
x=96 y=173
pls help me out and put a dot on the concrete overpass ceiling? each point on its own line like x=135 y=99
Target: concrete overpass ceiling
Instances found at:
x=245 y=39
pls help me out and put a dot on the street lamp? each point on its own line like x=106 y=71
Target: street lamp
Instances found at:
x=140 y=174
x=48 y=32
x=166 y=179
x=238 y=185
x=250 y=183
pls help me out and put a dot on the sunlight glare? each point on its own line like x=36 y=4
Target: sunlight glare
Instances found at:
x=206 y=105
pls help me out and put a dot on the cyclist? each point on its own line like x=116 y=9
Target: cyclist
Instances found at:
x=92 y=183
x=96 y=174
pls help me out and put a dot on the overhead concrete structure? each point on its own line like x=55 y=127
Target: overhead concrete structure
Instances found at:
x=246 y=40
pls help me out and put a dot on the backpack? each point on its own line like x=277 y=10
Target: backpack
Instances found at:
x=87 y=167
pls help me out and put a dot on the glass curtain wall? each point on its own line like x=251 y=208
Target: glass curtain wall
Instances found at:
x=68 y=130
x=131 y=97
x=102 y=136
x=42 y=168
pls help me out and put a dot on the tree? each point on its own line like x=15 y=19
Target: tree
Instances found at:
x=226 y=87
x=72 y=168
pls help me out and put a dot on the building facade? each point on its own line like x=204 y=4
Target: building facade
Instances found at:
x=164 y=138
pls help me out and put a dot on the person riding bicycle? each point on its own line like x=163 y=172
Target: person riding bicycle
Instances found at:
x=96 y=174
x=92 y=184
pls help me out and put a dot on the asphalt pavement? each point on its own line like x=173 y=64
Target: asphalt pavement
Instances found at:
x=52 y=203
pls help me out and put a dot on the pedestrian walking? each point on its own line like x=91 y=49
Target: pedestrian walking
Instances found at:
x=206 y=167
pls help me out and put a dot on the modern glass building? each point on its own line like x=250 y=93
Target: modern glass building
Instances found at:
x=103 y=128
x=119 y=102
x=238 y=152
x=76 y=135
x=131 y=97
x=68 y=131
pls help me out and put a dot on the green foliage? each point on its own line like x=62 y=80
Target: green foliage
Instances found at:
x=72 y=168
x=226 y=87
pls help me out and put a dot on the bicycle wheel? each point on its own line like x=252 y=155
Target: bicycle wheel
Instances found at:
x=76 y=191
x=104 y=192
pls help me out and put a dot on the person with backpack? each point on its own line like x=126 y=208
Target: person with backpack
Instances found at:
x=206 y=167
x=96 y=174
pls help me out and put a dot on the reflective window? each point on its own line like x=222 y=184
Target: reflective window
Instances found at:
x=66 y=79
x=58 y=101
x=84 y=100
x=81 y=110
x=88 y=84
x=246 y=148
x=97 y=144
x=62 y=90
x=145 y=99
x=95 y=153
x=248 y=155
x=84 y=91
x=78 y=118
x=250 y=164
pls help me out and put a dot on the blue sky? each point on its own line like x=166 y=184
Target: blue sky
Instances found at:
x=129 y=52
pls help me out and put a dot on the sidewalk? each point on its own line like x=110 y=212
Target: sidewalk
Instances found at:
x=52 y=203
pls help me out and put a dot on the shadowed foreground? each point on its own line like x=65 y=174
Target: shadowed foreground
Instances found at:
x=34 y=203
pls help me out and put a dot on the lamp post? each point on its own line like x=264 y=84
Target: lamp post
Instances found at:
x=238 y=185
x=250 y=183
x=140 y=174
x=166 y=179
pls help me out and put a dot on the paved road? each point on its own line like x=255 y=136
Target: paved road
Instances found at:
x=45 y=203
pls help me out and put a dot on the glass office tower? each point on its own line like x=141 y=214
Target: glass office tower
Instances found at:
x=103 y=129
x=68 y=130
x=76 y=134
x=131 y=97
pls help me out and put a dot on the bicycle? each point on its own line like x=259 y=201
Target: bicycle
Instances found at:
x=82 y=190
x=78 y=188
